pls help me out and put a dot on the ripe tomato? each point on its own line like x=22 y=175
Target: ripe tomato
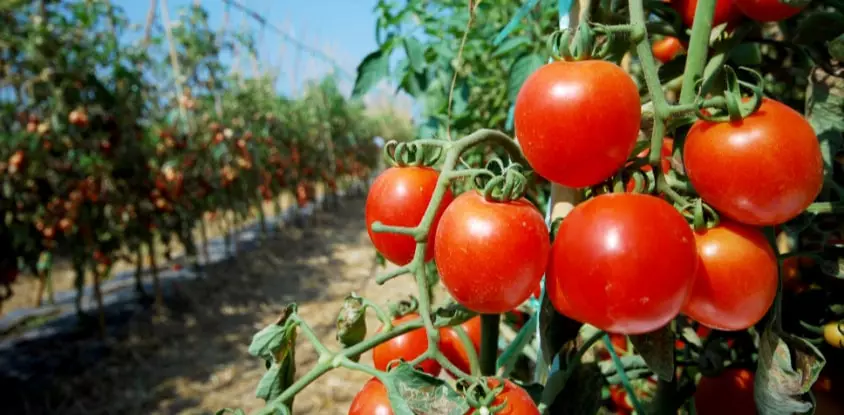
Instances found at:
x=624 y=262
x=833 y=333
x=517 y=400
x=736 y=279
x=491 y=255
x=725 y=11
x=763 y=170
x=371 y=400
x=452 y=348
x=399 y=197
x=767 y=10
x=407 y=347
x=577 y=121
x=729 y=392
x=666 y=48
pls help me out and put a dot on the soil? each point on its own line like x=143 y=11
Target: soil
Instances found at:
x=191 y=357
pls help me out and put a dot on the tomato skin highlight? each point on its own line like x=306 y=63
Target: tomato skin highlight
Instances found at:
x=577 y=121
x=491 y=255
x=666 y=49
x=371 y=400
x=518 y=401
x=624 y=262
x=452 y=348
x=407 y=346
x=763 y=170
x=399 y=196
x=729 y=392
x=767 y=10
x=736 y=279
x=726 y=11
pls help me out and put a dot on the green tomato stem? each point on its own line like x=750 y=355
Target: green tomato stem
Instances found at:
x=472 y=355
x=698 y=49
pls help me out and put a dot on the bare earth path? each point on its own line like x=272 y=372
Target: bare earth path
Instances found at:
x=193 y=359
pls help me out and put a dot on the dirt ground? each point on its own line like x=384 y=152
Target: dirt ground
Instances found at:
x=192 y=359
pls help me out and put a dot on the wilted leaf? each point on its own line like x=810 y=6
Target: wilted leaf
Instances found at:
x=351 y=322
x=787 y=368
x=452 y=314
x=415 y=392
x=270 y=340
x=657 y=349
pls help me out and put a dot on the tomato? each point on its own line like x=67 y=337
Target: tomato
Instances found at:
x=666 y=48
x=371 y=400
x=399 y=197
x=767 y=10
x=725 y=11
x=407 y=347
x=833 y=333
x=729 y=392
x=577 y=121
x=515 y=399
x=763 y=170
x=736 y=279
x=491 y=255
x=453 y=349
x=643 y=388
x=619 y=344
x=624 y=262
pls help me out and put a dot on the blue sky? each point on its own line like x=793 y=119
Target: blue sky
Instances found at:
x=343 y=29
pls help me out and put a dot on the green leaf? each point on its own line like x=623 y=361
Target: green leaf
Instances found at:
x=819 y=27
x=788 y=366
x=657 y=349
x=415 y=53
x=836 y=48
x=521 y=69
x=514 y=22
x=351 y=323
x=451 y=314
x=270 y=341
x=371 y=70
x=414 y=392
x=233 y=411
x=747 y=54
x=510 y=45
x=825 y=112
x=271 y=384
x=556 y=331
x=581 y=393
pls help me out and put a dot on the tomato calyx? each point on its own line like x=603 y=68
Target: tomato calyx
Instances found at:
x=737 y=106
x=481 y=393
x=511 y=184
x=404 y=307
x=419 y=153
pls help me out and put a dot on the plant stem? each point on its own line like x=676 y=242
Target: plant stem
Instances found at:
x=474 y=364
x=489 y=343
x=698 y=49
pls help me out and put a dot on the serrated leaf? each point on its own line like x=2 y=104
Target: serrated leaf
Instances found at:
x=788 y=366
x=657 y=349
x=415 y=53
x=414 y=392
x=373 y=68
x=510 y=45
x=522 y=67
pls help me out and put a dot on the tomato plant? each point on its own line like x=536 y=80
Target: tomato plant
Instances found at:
x=776 y=151
x=399 y=197
x=406 y=347
x=561 y=144
x=453 y=348
x=371 y=400
x=476 y=231
x=512 y=400
x=667 y=48
x=736 y=281
x=608 y=263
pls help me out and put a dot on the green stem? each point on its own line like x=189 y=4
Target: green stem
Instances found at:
x=381 y=279
x=313 y=338
x=514 y=350
x=472 y=355
x=625 y=380
x=698 y=49
x=489 y=343
x=825 y=207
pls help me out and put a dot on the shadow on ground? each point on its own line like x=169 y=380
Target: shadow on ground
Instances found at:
x=169 y=362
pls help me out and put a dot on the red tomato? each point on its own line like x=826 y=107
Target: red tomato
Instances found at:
x=729 y=392
x=577 y=121
x=452 y=348
x=491 y=255
x=725 y=11
x=371 y=400
x=619 y=343
x=407 y=347
x=625 y=262
x=517 y=401
x=399 y=197
x=767 y=10
x=763 y=170
x=736 y=279
x=666 y=48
